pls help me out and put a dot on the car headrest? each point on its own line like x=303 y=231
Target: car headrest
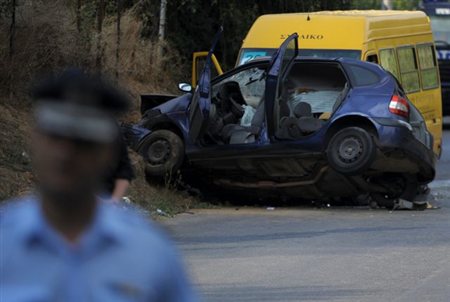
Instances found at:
x=303 y=109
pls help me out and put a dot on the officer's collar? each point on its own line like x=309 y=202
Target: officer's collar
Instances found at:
x=35 y=229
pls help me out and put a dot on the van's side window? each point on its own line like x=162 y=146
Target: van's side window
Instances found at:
x=408 y=69
x=428 y=68
x=389 y=61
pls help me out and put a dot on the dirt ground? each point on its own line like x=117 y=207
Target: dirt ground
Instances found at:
x=16 y=177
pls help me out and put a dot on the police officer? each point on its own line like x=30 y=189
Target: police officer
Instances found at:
x=63 y=243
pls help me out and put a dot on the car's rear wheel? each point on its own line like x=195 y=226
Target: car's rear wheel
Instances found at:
x=351 y=151
x=163 y=151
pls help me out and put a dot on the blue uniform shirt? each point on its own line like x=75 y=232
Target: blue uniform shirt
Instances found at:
x=121 y=257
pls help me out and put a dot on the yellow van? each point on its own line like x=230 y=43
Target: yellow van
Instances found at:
x=401 y=41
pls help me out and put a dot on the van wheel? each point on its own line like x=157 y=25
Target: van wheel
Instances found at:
x=163 y=152
x=351 y=151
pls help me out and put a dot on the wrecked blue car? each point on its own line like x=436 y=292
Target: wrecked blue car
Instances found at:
x=303 y=128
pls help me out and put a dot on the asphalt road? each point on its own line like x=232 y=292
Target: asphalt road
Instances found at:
x=332 y=254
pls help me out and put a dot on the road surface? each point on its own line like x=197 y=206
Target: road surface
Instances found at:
x=333 y=254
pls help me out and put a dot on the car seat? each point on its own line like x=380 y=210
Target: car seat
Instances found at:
x=237 y=134
x=302 y=124
x=228 y=104
x=306 y=121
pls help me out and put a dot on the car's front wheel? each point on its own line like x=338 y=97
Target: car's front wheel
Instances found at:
x=351 y=151
x=163 y=151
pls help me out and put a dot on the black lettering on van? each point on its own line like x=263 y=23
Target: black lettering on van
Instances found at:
x=311 y=37
x=303 y=37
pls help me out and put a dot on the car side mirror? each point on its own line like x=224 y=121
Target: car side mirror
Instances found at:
x=185 y=87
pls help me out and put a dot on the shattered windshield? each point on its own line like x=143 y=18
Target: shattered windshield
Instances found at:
x=251 y=83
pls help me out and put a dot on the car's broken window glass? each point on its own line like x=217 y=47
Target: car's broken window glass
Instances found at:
x=251 y=83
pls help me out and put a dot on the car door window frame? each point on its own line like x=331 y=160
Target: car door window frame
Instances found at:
x=199 y=109
x=275 y=74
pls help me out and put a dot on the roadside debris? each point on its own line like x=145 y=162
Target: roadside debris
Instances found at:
x=26 y=159
x=430 y=206
x=402 y=204
x=162 y=213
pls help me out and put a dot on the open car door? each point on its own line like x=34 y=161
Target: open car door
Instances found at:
x=278 y=68
x=200 y=106
x=197 y=60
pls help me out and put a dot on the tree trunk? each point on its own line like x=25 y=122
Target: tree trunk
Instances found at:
x=119 y=15
x=161 y=33
x=100 y=16
x=12 y=30
x=162 y=20
x=79 y=16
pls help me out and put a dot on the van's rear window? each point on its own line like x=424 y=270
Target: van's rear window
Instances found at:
x=251 y=54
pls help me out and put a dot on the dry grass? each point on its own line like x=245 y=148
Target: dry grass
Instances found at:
x=139 y=68
x=15 y=169
x=152 y=198
x=16 y=177
x=46 y=39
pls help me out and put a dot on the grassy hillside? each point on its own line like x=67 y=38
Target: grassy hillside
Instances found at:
x=46 y=39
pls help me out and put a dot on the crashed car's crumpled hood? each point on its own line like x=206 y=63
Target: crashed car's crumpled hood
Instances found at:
x=177 y=104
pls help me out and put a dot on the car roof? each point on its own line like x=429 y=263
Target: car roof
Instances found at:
x=266 y=59
x=344 y=61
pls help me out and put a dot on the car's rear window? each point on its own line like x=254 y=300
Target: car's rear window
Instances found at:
x=361 y=76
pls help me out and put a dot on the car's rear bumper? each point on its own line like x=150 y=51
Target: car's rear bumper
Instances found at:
x=397 y=138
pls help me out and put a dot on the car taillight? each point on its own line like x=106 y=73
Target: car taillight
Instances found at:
x=399 y=106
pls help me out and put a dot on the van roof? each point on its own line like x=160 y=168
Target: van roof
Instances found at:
x=332 y=29
x=367 y=13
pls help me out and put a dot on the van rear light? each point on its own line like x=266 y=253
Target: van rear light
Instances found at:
x=399 y=106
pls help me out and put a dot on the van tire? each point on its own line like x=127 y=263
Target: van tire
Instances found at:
x=351 y=151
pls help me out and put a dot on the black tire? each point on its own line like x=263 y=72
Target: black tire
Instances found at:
x=163 y=152
x=351 y=151
x=404 y=187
